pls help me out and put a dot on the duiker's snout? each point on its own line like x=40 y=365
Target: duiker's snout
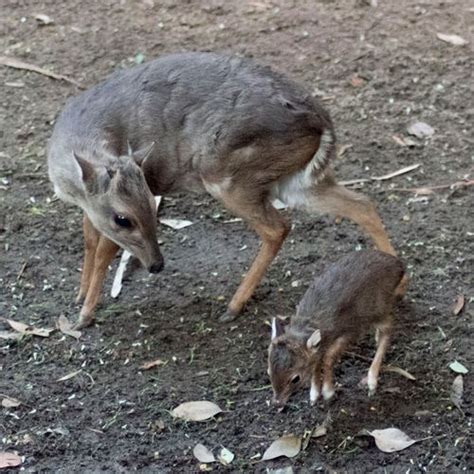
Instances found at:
x=279 y=403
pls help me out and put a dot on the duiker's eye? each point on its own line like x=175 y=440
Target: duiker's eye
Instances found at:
x=122 y=221
x=295 y=379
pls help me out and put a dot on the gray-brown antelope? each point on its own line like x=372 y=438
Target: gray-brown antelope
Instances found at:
x=195 y=121
x=353 y=295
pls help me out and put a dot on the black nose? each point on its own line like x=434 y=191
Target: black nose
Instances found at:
x=156 y=267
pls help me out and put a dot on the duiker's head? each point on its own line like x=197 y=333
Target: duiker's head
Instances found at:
x=290 y=361
x=121 y=206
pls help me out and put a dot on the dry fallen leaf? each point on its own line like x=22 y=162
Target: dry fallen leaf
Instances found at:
x=398 y=370
x=458 y=367
x=196 y=411
x=225 y=456
x=9 y=402
x=457 y=390
x=455 y=40
x=176 y=224
x=43 y=19
x=420 y=130
x=153 y=363
x=399 y=140
x=66 y=327
x=23 y=328
x=9 y=460
x=390 y=440
x=202 y=454
x=357 y=81
x=8 y=335
x=458 y=305
x=288 y=446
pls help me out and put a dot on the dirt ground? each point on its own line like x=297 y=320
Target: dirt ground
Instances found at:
x=378 y=70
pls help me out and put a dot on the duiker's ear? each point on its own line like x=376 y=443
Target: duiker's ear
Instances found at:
x=95 y=178
x=88 y=173
x=142 y=154
x=277 y=328
x=314 y=340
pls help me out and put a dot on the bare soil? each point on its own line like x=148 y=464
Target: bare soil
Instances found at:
x=377 y=69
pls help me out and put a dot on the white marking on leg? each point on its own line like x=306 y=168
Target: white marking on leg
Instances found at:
x=372 y=382
x=328 y=391
x=314 y=392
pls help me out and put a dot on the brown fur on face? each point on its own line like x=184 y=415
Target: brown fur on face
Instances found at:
x=290 y=364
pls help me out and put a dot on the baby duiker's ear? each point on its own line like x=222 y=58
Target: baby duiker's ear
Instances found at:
x=314 y=340
x=277 y=328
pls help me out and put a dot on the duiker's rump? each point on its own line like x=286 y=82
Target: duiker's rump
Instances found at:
x=353 y=295
x=196 y=121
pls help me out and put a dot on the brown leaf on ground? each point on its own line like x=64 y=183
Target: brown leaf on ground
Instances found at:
x=196 y=411
x=390 y=440
x=9 y=460
x=25 y=329
x=66 y=327
x=398 y=370
x=9 y=402
x=457 y=390
x=288 y=446
x=455 y=40
x=458 y=305
x=357 y=81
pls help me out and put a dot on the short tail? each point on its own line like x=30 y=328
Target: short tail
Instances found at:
x=325 y=154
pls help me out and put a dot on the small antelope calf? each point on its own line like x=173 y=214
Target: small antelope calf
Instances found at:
x=195 y=121
x=353 y=295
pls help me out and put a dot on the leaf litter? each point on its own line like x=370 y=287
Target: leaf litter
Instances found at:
x=390 y=440
x=9 y=460
x=203 y=454
x=10 y=402
x=196 y=411
x=66 y=327
x=457 y=390
x=288 y=446
x=26 y=329
x=225 y=456
x=458 y=368
x=458 y=305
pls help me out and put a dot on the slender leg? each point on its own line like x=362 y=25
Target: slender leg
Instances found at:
x=330 y=357
x=91 y=240
x=316 y=380
x=335 y=199
x=272 y=229
x=382 y=346
x=105 y=253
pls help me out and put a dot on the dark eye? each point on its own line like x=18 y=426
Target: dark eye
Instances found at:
x=122 y=221
x=295 y=379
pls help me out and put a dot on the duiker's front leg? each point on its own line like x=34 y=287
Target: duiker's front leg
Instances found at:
x=383 y=341
x=91 y=240
x=331 y=356
x=316 y=380
x=104 y=254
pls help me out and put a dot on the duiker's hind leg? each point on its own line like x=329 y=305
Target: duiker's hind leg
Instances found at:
x=272 y=229
x=91 y=240
x=104 y=254
x=332 y=198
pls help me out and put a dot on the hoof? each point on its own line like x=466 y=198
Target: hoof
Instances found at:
x=83 y=323
x=228 y=316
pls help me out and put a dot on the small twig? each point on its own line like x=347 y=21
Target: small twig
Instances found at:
x=22 y=270
x=431 y=189
x=17 y=64
x=399 y=172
